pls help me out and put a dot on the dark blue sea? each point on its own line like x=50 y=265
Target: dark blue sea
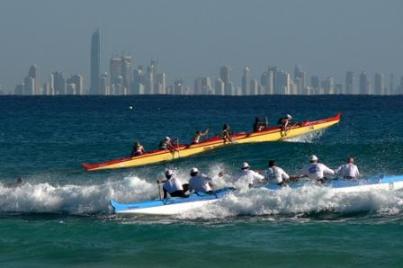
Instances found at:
x=60 y=214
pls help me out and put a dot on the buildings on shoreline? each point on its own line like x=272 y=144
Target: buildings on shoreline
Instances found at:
x=125 y=78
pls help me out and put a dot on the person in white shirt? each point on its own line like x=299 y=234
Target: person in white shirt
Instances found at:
x=317 y=171
x=348 y=170
x=199 y=182
x=248 y=177
x=275 y=174
x=173 y=185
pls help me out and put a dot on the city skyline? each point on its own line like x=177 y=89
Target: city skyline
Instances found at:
x=125 y=78
x=193 y=38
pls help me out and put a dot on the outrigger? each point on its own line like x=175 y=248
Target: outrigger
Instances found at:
x=269 y=134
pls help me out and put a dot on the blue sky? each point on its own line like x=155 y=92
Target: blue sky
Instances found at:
x=192 y=38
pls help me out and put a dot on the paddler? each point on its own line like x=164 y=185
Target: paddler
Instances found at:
x=348 y=170
x=317 y=171
x=173 y=186
x=276 y=174
x=226 y=133
x=200 y=182
x=198 y=135
x=166 y=144
x=248 y=177
x=284 y=122
x=138 y=149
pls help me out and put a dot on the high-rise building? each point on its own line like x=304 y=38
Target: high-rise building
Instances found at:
x=34 y=73
x=150 y=78
x=282 y=83
x=245 y=81
x=127 y=72
x=364 y=84
x=299 y=78
x=400 y=91
x=139 y=81
x=160 y=83
x=77 y=81
x=254 y=87
x=29 y=86
x=267 y=82
x=104 y=84
x=315 y=85
x=379 y=84
x=179 y=88
x=95 y=63
x=59 y=83
x=219 y=87
x=349 y=86
x=225 y=77
x=392 y=89
x=328 y=86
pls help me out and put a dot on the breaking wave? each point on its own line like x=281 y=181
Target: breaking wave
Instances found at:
x=72 y=199
x=304 y=201
x=95 y=199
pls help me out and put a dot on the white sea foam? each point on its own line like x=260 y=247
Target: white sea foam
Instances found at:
x=94 y=199
x=310 y=199
x=72 y=199
x=307 y=138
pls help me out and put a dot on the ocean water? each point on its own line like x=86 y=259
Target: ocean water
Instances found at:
x=60 y=215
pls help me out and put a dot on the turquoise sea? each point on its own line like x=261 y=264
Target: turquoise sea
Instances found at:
x=60 y=215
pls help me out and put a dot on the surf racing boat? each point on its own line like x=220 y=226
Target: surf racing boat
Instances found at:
x=269 y=134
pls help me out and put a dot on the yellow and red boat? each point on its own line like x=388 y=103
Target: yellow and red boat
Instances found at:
x=181 y=151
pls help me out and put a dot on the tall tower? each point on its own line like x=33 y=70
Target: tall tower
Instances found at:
x=245 y=81
x=34 y=73
x=95 y=63
x=379 y=84
x=349 y=87
x=364 y=84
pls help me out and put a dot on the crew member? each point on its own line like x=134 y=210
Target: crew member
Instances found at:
x=248 y=177
x=199 y=182
x=166 y=144
x=226 y=133
x=348 y=170
x=317 y=171
x=276 y=174
x=259 y=125
x=284 y=122
x=138 y=149
x=173 y=186
x=198 y=135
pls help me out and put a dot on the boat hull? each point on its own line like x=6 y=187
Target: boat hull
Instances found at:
x=177 y=205
x=183 y=151
x=170 y=206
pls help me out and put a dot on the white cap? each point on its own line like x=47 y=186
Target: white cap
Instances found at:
x=245 y=165
x=169 y=172
x=313 y=158
x=167 y=138
x=194 y=170
x=289 y=116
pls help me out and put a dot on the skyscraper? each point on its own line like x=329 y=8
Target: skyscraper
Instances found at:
x=219 y=87
x=225 y=77
x=379 y=84
x=392 y=90
x=349 y=87
x=95 y=63
x=245 y=81
x=364 y=84
x=34 y=73
x=299 y=78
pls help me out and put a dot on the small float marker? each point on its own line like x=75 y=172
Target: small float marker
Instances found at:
x=131 y=107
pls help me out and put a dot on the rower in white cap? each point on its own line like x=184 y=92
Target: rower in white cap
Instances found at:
x=248 y=177
x=200 y=182
x=317 y=171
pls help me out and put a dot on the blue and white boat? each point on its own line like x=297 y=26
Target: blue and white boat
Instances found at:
x=172 y=205
x=178 y=205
